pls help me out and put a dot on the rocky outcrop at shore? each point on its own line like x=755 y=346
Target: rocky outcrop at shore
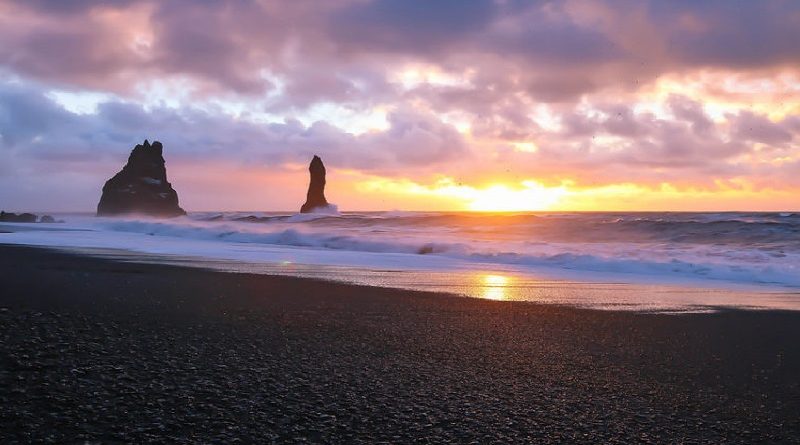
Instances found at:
x=25 y=218
x=315 y=199
x=141 y=186
x=19 y=218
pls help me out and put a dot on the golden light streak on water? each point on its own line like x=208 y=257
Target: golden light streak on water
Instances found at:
x=494 y=287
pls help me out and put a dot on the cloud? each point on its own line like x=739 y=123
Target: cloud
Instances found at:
x=752 y=127
x=729 y=33
x=692 y=112
x=611 y=143
x=409 y=26
x=34 y=126
x=416 y=140
x=43 y=142
x=598 y=91
x=552 y=51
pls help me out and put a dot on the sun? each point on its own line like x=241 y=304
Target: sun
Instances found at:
x=502 y=198
x=522 y=196
x=494 y=286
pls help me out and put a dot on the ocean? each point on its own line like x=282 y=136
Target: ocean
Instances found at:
x=626 y=261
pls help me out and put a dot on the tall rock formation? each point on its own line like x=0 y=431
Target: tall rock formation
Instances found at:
x=141 y=186
x=315 y=198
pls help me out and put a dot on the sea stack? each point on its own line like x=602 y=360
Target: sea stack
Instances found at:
x=141 y=186
x=315 y=199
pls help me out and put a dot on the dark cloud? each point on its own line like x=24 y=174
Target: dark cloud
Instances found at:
x=71 y=55
x=70 y=7
x=555 y=51
x=544 y=32
x=729 y=33
x=26 y=114
x=410 y=26
x=751 y=127
x=226 y=44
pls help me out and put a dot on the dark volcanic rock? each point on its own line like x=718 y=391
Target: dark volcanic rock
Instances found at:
x=315 y=198
x=47 y=219
x=141 y=186
x=21 y=218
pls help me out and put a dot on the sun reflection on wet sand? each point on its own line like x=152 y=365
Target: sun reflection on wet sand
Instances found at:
x=494 y=286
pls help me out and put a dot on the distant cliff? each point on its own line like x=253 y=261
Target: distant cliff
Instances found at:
x=315 y=198
x=141 y=186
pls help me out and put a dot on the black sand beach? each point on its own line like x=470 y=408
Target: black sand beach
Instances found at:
x=97 y=351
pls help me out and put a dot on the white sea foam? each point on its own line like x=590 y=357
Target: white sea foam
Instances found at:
x=756 y=250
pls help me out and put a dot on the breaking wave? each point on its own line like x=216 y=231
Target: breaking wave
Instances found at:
x=756 y=248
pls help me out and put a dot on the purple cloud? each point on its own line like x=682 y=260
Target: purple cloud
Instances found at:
x=550 y=47
x=499 y=63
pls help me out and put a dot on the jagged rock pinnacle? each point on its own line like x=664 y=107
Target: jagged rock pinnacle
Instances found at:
x=141 y=186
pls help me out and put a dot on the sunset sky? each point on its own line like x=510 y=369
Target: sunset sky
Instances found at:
x=418 y=105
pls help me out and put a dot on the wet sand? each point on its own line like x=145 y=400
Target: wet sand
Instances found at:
x=99 y=351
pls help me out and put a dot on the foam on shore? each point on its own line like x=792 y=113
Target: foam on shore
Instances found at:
x=534 y=256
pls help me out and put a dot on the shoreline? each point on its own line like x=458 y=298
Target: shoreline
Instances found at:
x=275 y=237
x=582 y=289
x=108 y=351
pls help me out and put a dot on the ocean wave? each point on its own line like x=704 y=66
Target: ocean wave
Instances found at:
x=754 y=273
x=286 y=237
x=688 y=228
x=717 y=249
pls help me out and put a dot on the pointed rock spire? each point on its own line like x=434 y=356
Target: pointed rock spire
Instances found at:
x=316 y=188
x=141 y=186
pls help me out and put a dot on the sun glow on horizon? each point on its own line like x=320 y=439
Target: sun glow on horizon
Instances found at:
x=527 y=195
x=494 y=286
x=502 y=198
x=446 y=194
